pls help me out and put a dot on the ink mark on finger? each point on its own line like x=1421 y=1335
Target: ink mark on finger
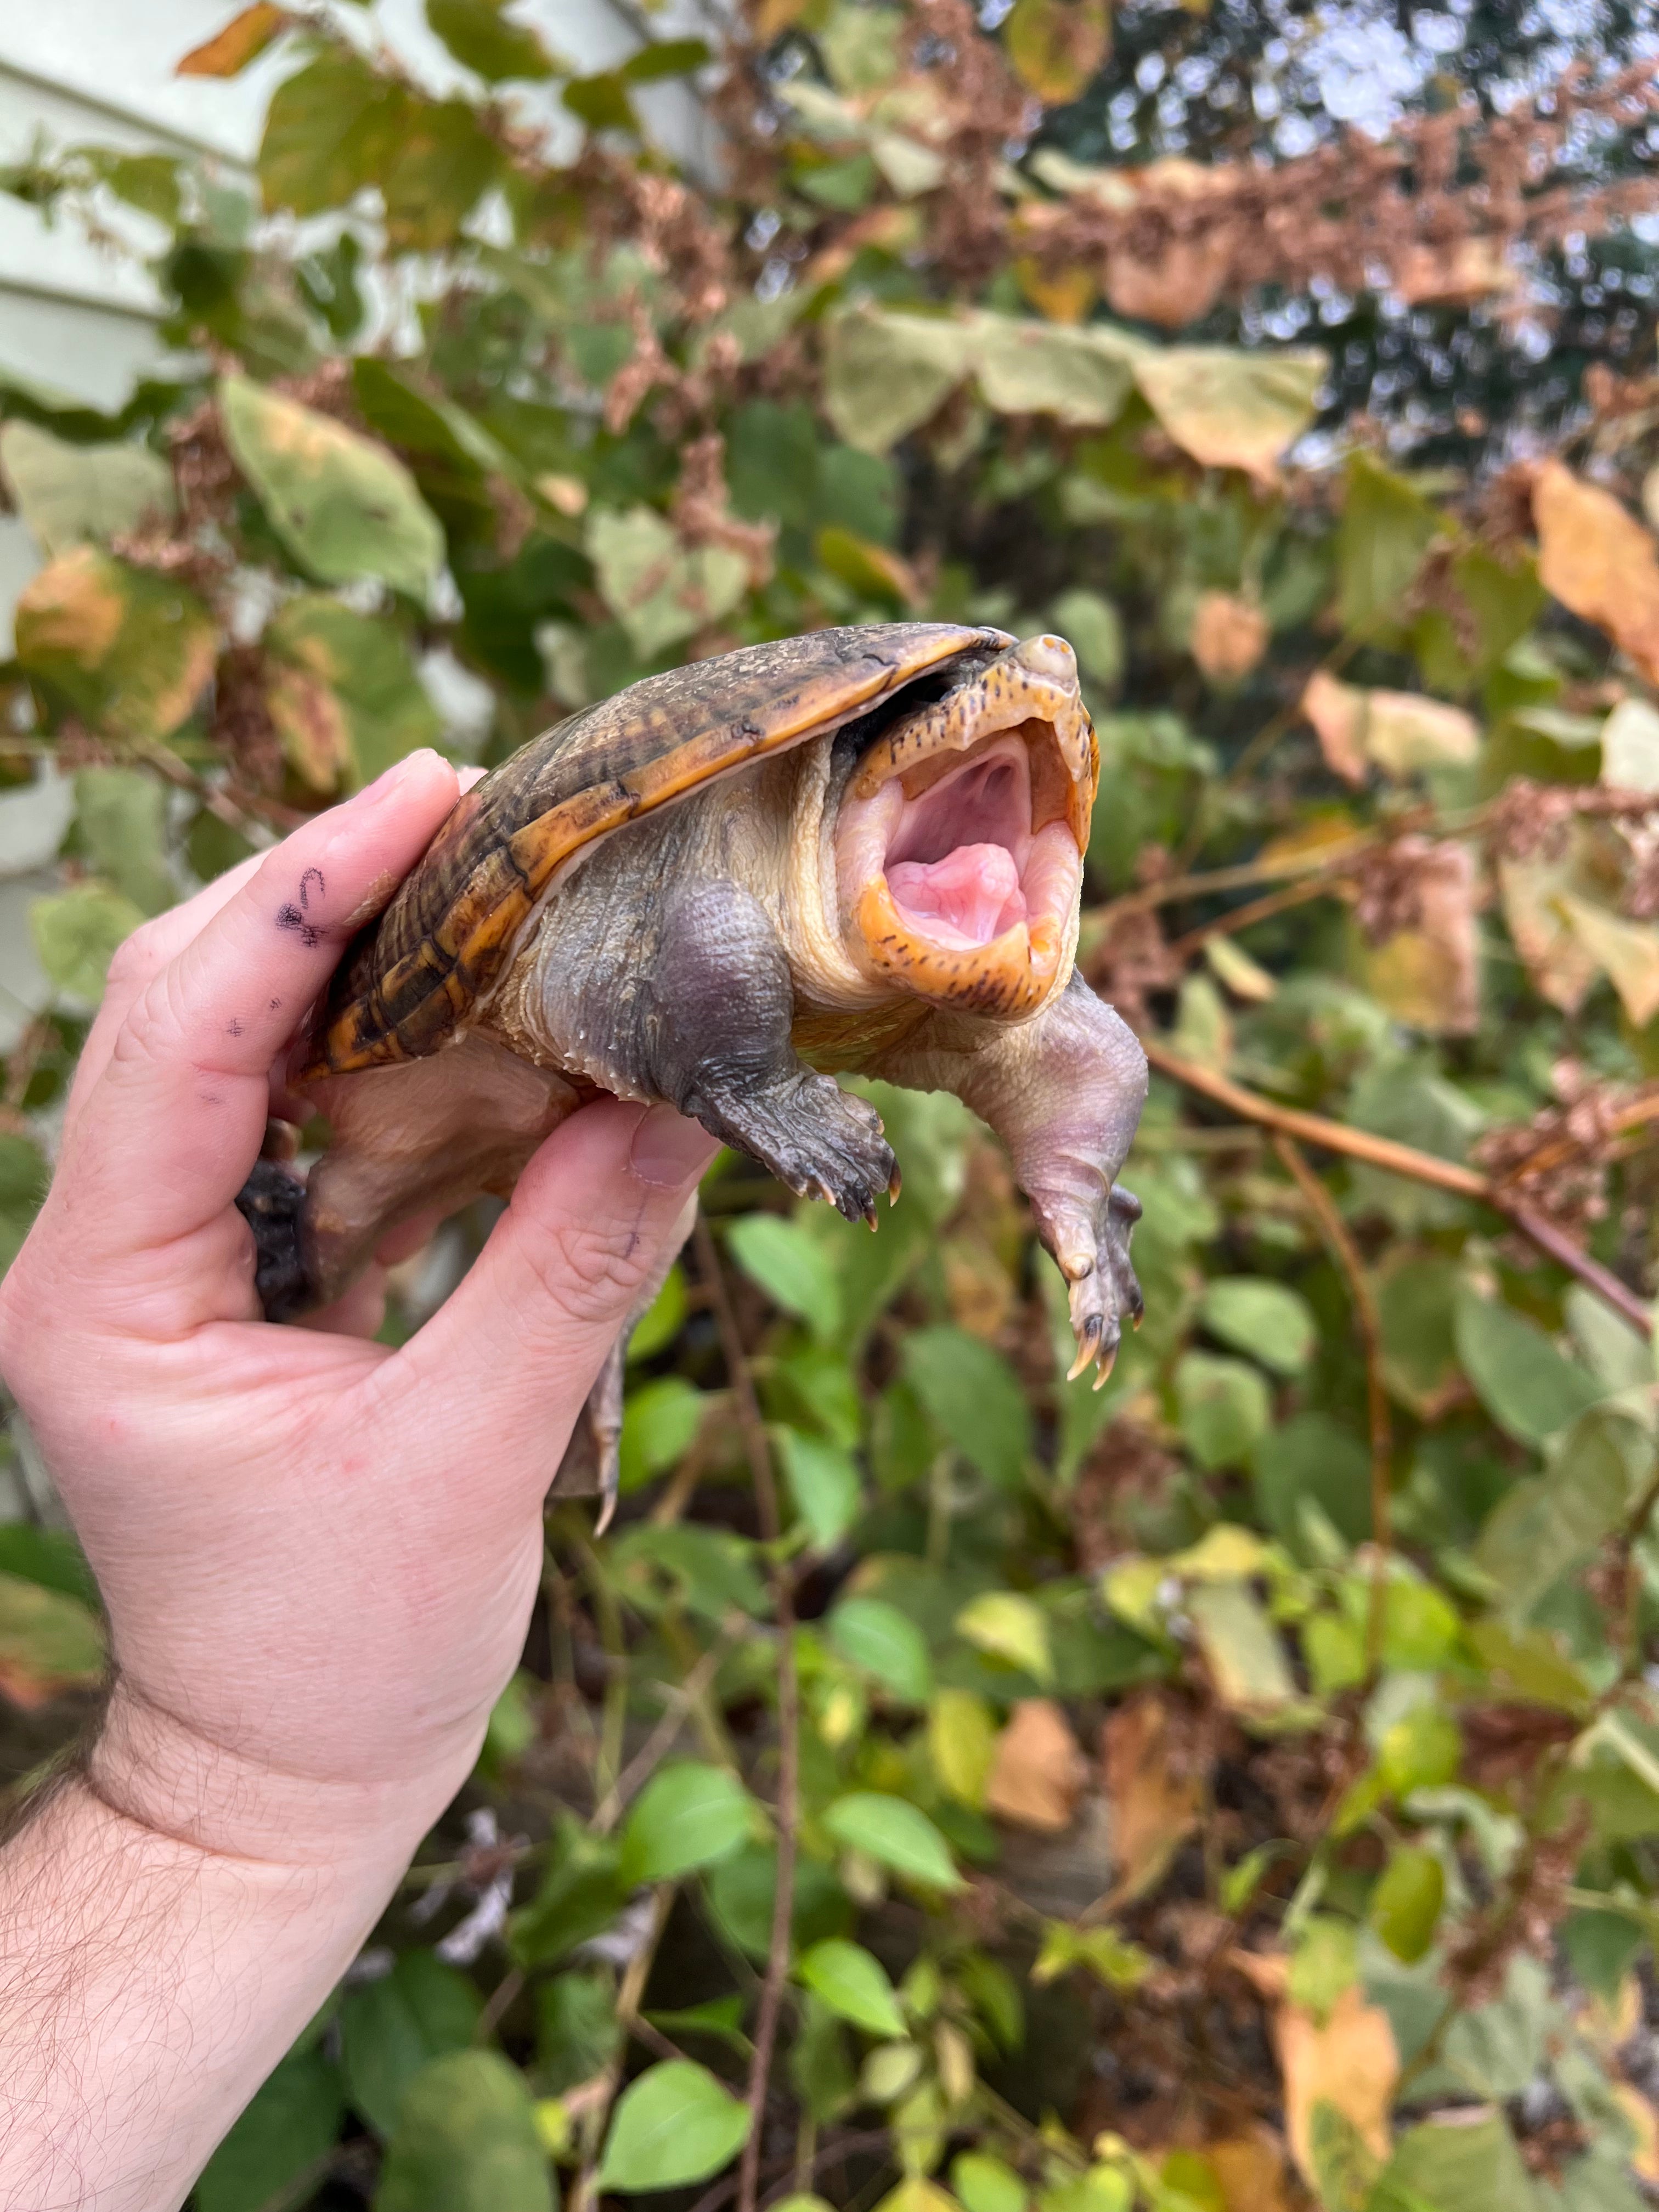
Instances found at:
x=275 y=1006
x=291 y=917
x=233 y=1027
x=311 y=877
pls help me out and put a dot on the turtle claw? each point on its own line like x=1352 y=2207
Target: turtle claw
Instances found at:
x=1088 y=1344
x=1093 y=1252
x=1104 y=1371
x=895 y=1184
x=608 y=1497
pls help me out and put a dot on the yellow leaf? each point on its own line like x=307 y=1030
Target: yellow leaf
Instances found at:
x=1404 y=732
x=1063 y=296
x=962 y=1743
x=1596 y=558
x=1057 y=46
x=1039 y=1772
x=1350 y=2062
x=1561 y=966
x=1251 y=2171
x=1231 y=410
x=1626 y=951
x=243 y=39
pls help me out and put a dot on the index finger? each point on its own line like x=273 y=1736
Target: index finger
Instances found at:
x=165 y=1138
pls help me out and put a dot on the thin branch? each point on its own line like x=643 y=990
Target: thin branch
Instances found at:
x=585 y=2196
x=656 y=1746
x=1335 y=1230
x=758 y=1448
x=1406 y=1160
x=1245 y=917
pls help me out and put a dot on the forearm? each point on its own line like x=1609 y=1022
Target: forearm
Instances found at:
x=147 y=1986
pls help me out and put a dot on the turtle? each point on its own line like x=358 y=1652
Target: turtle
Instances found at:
x=859 y=850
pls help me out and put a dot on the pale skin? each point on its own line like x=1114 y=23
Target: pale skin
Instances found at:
x=319 y=1556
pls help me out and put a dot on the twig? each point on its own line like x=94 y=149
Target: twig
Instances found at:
x=585 y=2194
x=681 y=1697
x=1244 y=917
x=1335 y=1230
x=759 y=1452
x=505 y=1991
x=1406 y=1160
x=1325 y=861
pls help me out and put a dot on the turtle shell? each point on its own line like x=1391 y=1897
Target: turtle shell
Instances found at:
x=411 y=979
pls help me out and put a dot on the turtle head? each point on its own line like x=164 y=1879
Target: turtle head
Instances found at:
x=961 y=832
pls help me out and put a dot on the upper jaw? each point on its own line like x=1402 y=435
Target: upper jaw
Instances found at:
x=960 y=838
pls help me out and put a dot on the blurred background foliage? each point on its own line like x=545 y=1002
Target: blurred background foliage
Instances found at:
x=944 y=1787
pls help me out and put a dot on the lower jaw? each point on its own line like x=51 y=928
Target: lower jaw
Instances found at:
x=1007 y=980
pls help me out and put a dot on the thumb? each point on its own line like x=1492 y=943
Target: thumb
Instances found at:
x=596 y=1218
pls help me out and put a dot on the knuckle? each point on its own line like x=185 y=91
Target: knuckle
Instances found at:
x=136 y=958
x=589 y=1271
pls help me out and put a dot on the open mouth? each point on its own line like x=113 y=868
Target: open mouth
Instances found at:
x=959 y=844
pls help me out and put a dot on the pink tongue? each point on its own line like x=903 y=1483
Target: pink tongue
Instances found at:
x=969 y=897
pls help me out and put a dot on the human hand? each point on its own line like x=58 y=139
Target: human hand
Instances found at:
x=319 y=1555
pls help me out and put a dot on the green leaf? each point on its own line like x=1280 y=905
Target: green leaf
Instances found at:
x=390 y=2029
x=896 y=1834
x=579 y=1897
x=1272 y=1322
x=743 y=1892
x=973 y=1399
x=853 y=1984
x=1420 y=1751
x=49 y=1640
x=1548 y=1522
x=1387 y=525
x=1079 y=374
x=330 y=128
x=1011 y=1628
x=24 y=1176
x=688 y=1815
x=708 y=1570
x=466 y=2142
x=1245 y=1656
x=1310 y=1461
x=1113 y=1960
x=578 y=2032
x=343 y=506
x=673 y=2126
x=130 y=651
x=1404 y=1906
x=1529 y=1389
x=344 y=689
x=1093 y=628
x=77 y=933
x=962 y=1744
x=885 y=1643
x=68 y=495
x=982 y=2183
x=885 y=373
x=485 y=39
x=1325 y=1964
x=659 y=589
x=1224 y=1406
x=1459 y=2165
x=660 y=1324
x=122 y=817
x=660 y=1420
x=791 y=1266
x=289 y=2127
x=664 y=58
x=823 y=1481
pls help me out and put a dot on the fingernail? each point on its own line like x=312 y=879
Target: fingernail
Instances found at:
x=669 y=1151
x=393 y=779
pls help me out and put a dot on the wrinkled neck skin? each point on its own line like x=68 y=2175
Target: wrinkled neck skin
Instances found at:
x=943 y=861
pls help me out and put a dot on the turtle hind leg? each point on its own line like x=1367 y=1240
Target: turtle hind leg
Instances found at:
x=722 y=1005
x=272 y=1202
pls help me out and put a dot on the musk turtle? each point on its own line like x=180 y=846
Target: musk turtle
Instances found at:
x=856 y=850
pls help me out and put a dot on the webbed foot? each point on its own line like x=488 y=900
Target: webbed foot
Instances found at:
x=1093 y=1252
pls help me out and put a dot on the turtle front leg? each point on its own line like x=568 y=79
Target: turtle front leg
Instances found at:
x=721 y=1006
x=1064 y=1092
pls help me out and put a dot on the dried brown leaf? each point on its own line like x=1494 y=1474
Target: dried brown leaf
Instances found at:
x=1350 y=2061
x=1153 y=1787
x=1040 y=1770
x=1597 y=559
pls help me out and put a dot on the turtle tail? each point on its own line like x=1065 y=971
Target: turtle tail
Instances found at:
x=271 y=1201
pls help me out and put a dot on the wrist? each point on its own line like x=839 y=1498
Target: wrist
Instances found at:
x=226 y=1802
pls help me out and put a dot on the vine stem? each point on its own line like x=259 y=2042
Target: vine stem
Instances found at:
x=758 y=1450
x=1406 y=1160
x=1335 y=1230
